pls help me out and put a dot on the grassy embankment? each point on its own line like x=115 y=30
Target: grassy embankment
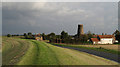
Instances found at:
x=0 y=50
x=13 y=49
x=30 y=52
x=106 y=48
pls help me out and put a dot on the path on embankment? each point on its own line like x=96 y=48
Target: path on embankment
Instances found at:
x=110 y=56
x=32 y=52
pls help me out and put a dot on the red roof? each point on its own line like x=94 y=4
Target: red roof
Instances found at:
x=38 y=35
x=94 y=39
x=95 y=35
x=106 y=36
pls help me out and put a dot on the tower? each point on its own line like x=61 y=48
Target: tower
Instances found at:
x=80 y=30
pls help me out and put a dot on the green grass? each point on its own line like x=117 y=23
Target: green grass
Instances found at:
x=29 y=57
x=0 y=58
x=13 y=49
x=48 y=54
x=92 y=48
x=41 y=53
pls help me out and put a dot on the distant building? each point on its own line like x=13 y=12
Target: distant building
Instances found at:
x=103 y=39
x=38 y=37
x=80 y=30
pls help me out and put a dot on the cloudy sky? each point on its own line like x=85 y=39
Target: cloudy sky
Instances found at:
x=46 y=17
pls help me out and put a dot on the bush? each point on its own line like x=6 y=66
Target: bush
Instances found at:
x=8 y=35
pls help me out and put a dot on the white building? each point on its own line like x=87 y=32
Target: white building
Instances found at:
x=103 y=39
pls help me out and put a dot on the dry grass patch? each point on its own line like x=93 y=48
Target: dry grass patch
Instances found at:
x=113 y=47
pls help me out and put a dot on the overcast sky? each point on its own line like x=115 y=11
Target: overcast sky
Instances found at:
x=47 y=17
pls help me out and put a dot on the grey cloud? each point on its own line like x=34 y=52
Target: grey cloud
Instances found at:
x=60 y=0
x=55 y=17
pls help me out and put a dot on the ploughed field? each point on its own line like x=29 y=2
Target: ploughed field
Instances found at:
x=16 y=51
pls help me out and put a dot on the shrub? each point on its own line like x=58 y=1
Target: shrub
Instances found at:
x=8 y=35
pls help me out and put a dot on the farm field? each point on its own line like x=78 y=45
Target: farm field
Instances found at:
x=106 y=46
x=18 y=51
x=112 y=47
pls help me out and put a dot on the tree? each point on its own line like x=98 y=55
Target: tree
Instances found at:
x=51 y=37
x=64 y=35
x=29 y=36
x=116 y=32
x=89 y=34
x=24 y=34
x=17 y=34
x=93 y=34
x=8 y=35
x=83 y=38
x=105 y=33
x=43 y=35
x=117 y=35
x=102 y=33
x=58 y=36
x=29 y=33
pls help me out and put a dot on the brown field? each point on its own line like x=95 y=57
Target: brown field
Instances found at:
x=113 y=47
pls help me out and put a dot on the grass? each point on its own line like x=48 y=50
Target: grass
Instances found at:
x=0 y=50
x=39 y=54
x=92 y=48
x=0 y=43
x=13 y=49
x=29 y=57
x=0 y=58
x=107 y=46
x=42 y=53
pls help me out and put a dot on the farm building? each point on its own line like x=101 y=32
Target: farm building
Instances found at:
x=38 y=37
x=103 y=39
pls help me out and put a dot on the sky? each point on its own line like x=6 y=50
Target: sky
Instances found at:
x=119 y=16
x=47 y=17
x=60 y=0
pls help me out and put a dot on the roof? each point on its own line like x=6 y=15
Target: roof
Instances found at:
x=95 y=35
x=94 y=39
x=38 y=35
x=106 y=36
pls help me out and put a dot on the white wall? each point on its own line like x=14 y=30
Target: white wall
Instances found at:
x=106 y=41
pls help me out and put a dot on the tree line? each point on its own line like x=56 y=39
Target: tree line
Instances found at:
x=64 y=37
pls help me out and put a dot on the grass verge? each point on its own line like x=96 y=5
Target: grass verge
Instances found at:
x=91 y=48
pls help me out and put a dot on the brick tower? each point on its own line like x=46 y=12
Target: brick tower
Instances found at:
x=80 y=30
